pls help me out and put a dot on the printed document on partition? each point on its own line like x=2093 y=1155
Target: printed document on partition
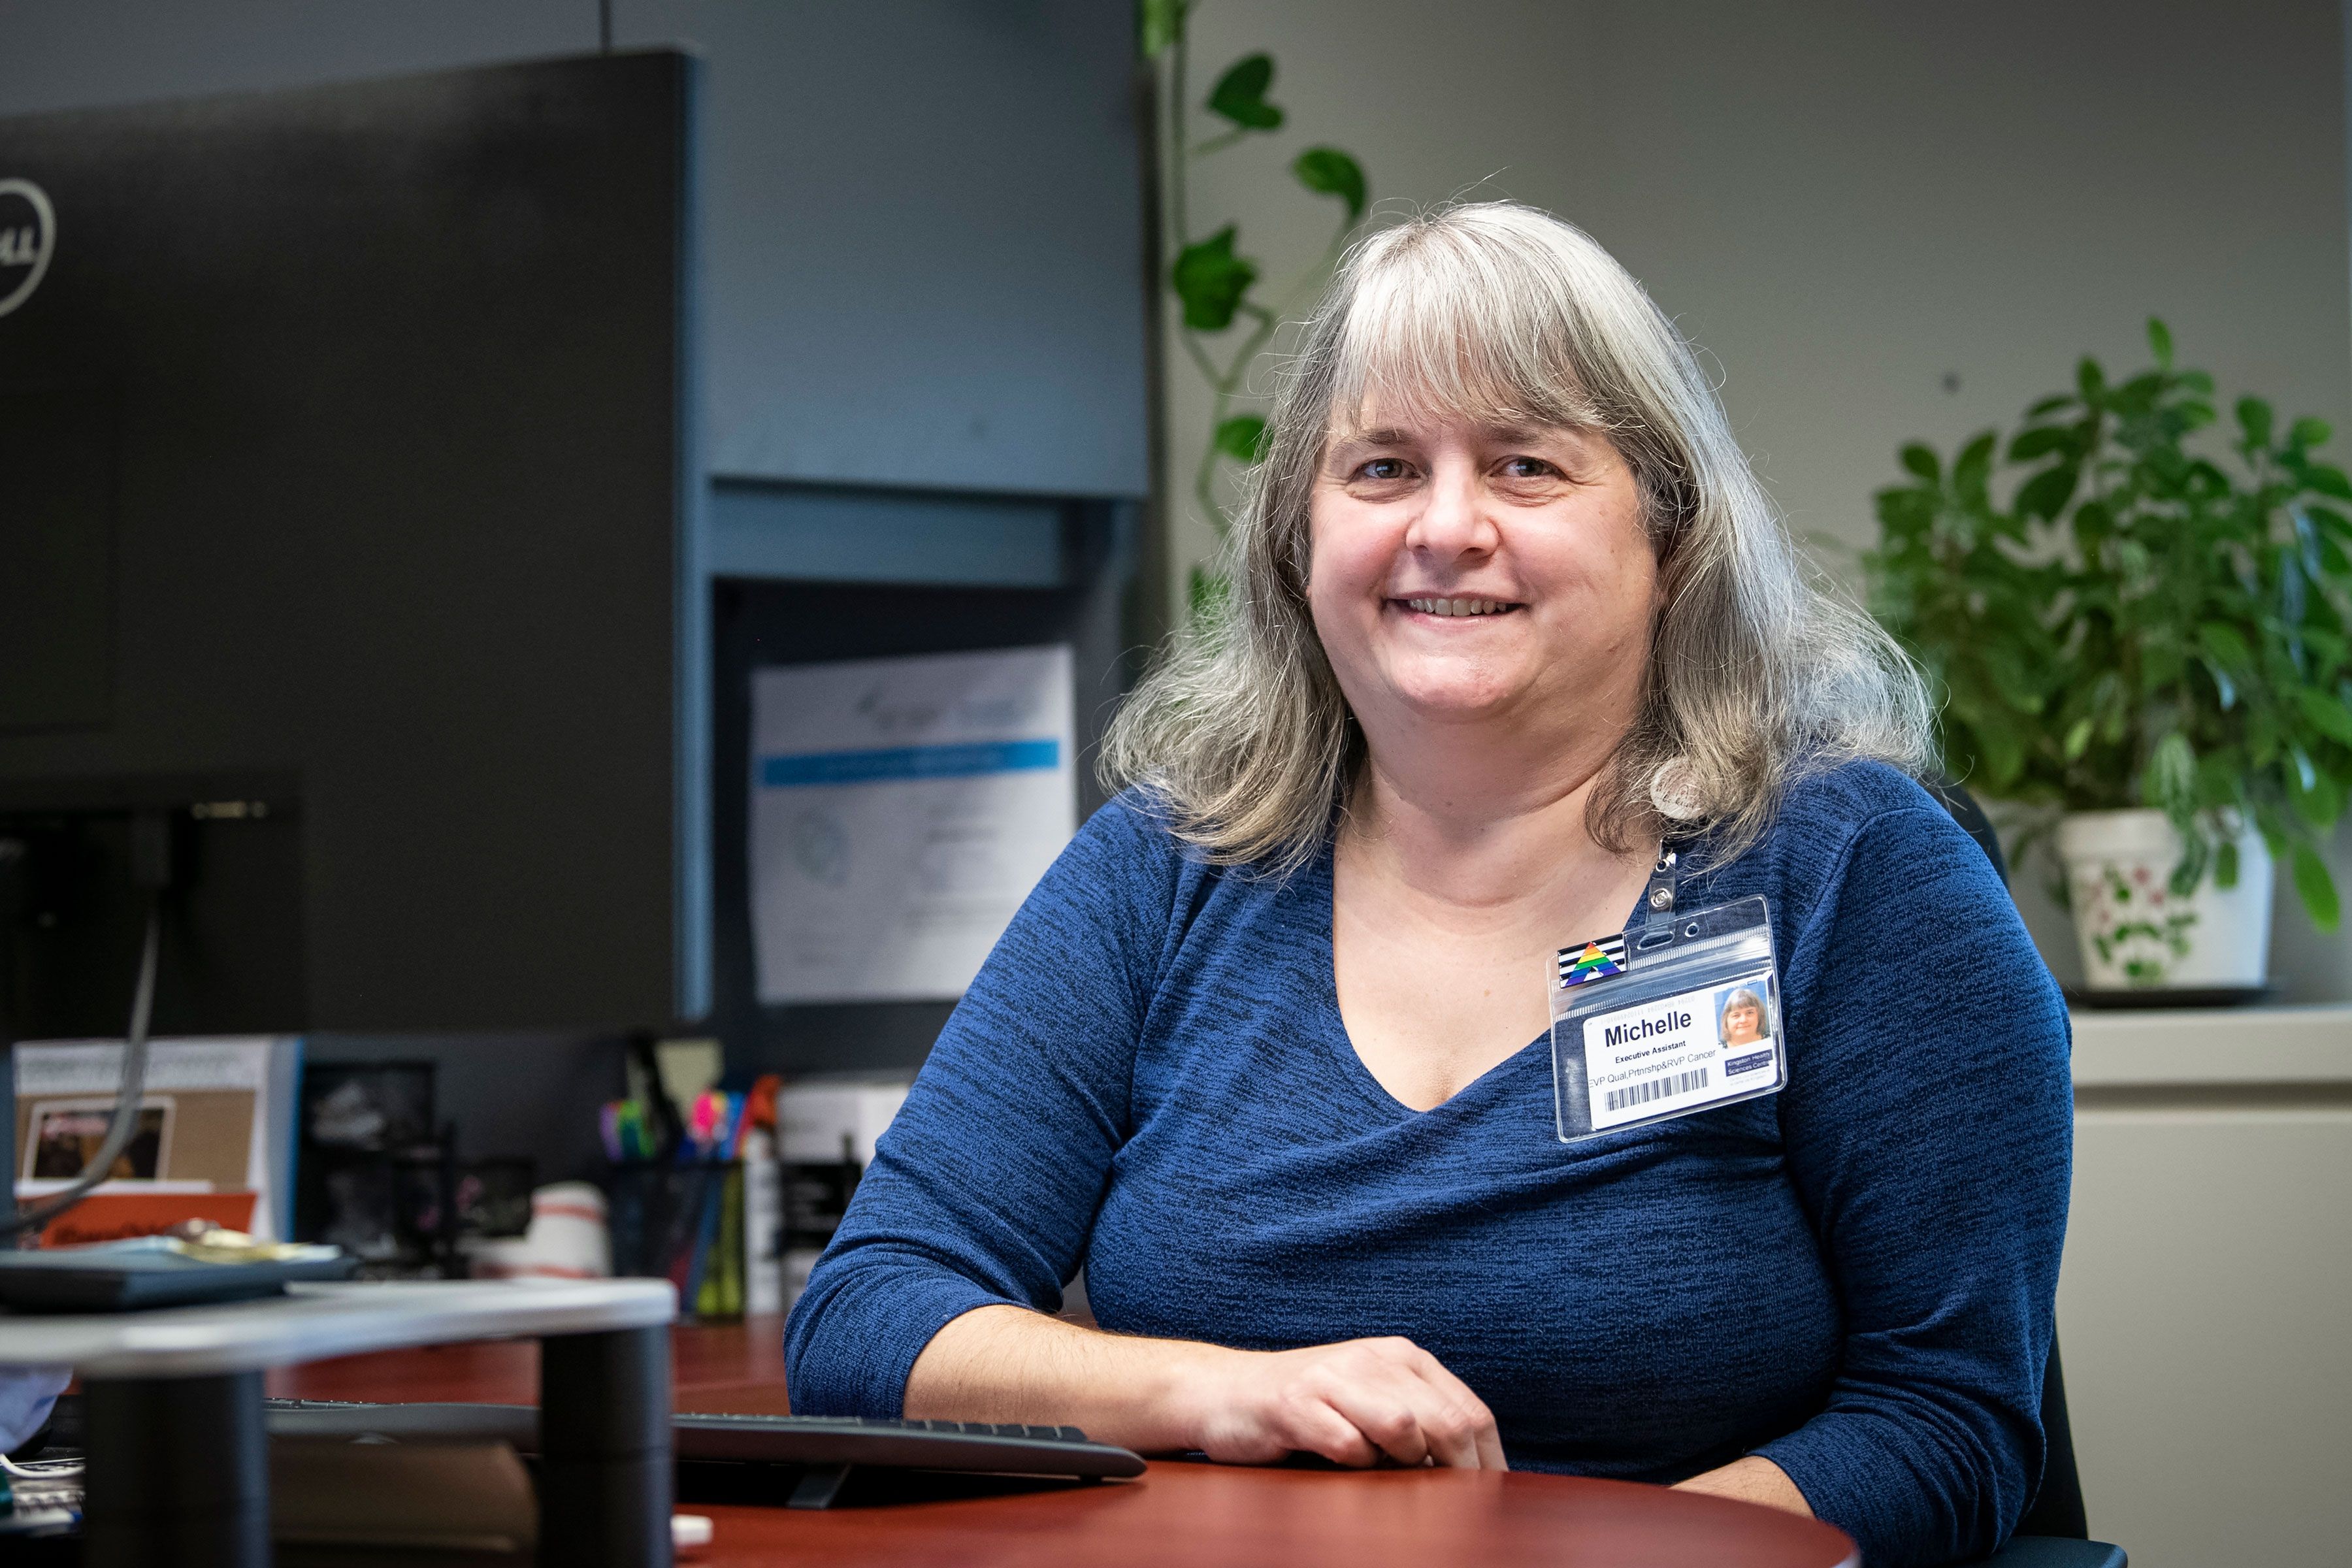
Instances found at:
x=901 y=809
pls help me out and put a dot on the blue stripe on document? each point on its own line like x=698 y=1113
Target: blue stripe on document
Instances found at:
x=803 y=768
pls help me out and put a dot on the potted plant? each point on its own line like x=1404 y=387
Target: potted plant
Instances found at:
x=2143 y=640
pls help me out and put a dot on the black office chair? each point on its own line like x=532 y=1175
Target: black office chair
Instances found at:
x=2054 y=1533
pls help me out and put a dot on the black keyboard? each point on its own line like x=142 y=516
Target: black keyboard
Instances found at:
x=825 y=1444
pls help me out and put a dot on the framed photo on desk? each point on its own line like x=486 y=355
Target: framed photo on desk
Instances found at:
x=62 y=1135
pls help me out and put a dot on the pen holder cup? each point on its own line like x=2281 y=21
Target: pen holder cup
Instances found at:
x=683 y=1224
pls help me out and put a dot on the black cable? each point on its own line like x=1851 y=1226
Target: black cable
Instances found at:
x=126 y=1106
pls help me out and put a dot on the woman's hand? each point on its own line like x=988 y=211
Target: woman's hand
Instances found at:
x=1354 y=1402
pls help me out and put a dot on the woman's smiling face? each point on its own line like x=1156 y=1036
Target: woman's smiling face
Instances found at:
x=1462 y=573
x=1742 y=1021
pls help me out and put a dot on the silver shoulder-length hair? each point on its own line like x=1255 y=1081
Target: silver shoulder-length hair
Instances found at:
x=1501 y=314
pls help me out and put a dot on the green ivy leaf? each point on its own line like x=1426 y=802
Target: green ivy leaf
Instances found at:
x=2225 y=647
x=2039 y=442
x=2170 y=781
x=2078 y=740
x=2254 y=419
x=2313 y=794
x=2328 y=481
x=1210 y=280
x=2004 y=757
x=2262 y=738
x=2327 y=713
x=1328 y=171
x=2011 y=678
x=2045 y=495
x=1240 y=94
x=2050 y=405
x=2225 y=865
x=2194 y=853
x=2091 y=380
x=2138 y=394
x=1921 y=459
x=2309 y=432
x=1158 y=24
x=2093 y=524
x=1972 y=467
x=1906 y=510
x=2224 y=688
x=2159 y=339
x=2220 y=779
x=1241 y=437
x=2318 y=888
x=2334 y=521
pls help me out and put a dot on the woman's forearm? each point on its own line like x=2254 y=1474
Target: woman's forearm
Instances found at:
x=1752 y=1479
x=1007 y=1364
x=1355 y=1403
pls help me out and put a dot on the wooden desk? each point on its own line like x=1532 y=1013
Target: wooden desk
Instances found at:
x=1178 y=1516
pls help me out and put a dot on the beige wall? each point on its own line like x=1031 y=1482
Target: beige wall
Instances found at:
x=1845 y=204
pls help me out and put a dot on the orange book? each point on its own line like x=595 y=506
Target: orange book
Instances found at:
x=110 y=1216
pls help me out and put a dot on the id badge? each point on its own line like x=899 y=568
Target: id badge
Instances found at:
x=1680 y=1016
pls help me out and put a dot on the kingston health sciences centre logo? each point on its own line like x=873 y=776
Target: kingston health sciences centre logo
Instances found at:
x=28 y=235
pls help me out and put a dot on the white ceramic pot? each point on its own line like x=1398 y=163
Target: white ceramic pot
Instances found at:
x=2136 y=935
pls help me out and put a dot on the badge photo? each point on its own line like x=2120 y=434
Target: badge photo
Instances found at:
x=1681 y=1019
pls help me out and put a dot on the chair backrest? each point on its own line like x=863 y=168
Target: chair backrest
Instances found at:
x=2057 y=1505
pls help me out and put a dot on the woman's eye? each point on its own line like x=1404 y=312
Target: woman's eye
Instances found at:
x=1528 y=469
x=1382 y=468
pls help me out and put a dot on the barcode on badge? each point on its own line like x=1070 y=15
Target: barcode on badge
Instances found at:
x=1650 y=1089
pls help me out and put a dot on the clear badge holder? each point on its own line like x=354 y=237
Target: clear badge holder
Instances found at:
x=1680 y=1014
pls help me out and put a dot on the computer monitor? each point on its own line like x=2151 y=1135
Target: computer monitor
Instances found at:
x=346 y=459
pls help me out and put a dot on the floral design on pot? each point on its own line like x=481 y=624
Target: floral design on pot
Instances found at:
x=2137 y=931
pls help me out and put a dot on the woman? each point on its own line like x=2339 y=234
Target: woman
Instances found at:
x=1265 y=1051
x=1743 y=1018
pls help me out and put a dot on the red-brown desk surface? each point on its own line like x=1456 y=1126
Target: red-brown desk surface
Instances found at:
x=1177 y=1516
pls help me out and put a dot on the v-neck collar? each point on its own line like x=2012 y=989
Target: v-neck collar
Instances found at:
x=1314 y=888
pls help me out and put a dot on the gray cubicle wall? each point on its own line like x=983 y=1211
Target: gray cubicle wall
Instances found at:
x=923 y=219
x=921 y=228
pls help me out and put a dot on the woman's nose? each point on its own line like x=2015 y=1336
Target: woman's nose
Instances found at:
x=1452 y=521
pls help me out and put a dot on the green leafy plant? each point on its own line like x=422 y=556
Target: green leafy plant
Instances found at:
x=2139 y=624
x=1214 y=285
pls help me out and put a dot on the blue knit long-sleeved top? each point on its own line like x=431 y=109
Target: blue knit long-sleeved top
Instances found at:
x=1853 y=1278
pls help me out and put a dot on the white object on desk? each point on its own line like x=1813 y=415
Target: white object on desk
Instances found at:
x=569 y=1239
x=901 y=809
x=824 y=1125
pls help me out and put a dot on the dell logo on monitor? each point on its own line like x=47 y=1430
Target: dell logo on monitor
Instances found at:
x=28 y=233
